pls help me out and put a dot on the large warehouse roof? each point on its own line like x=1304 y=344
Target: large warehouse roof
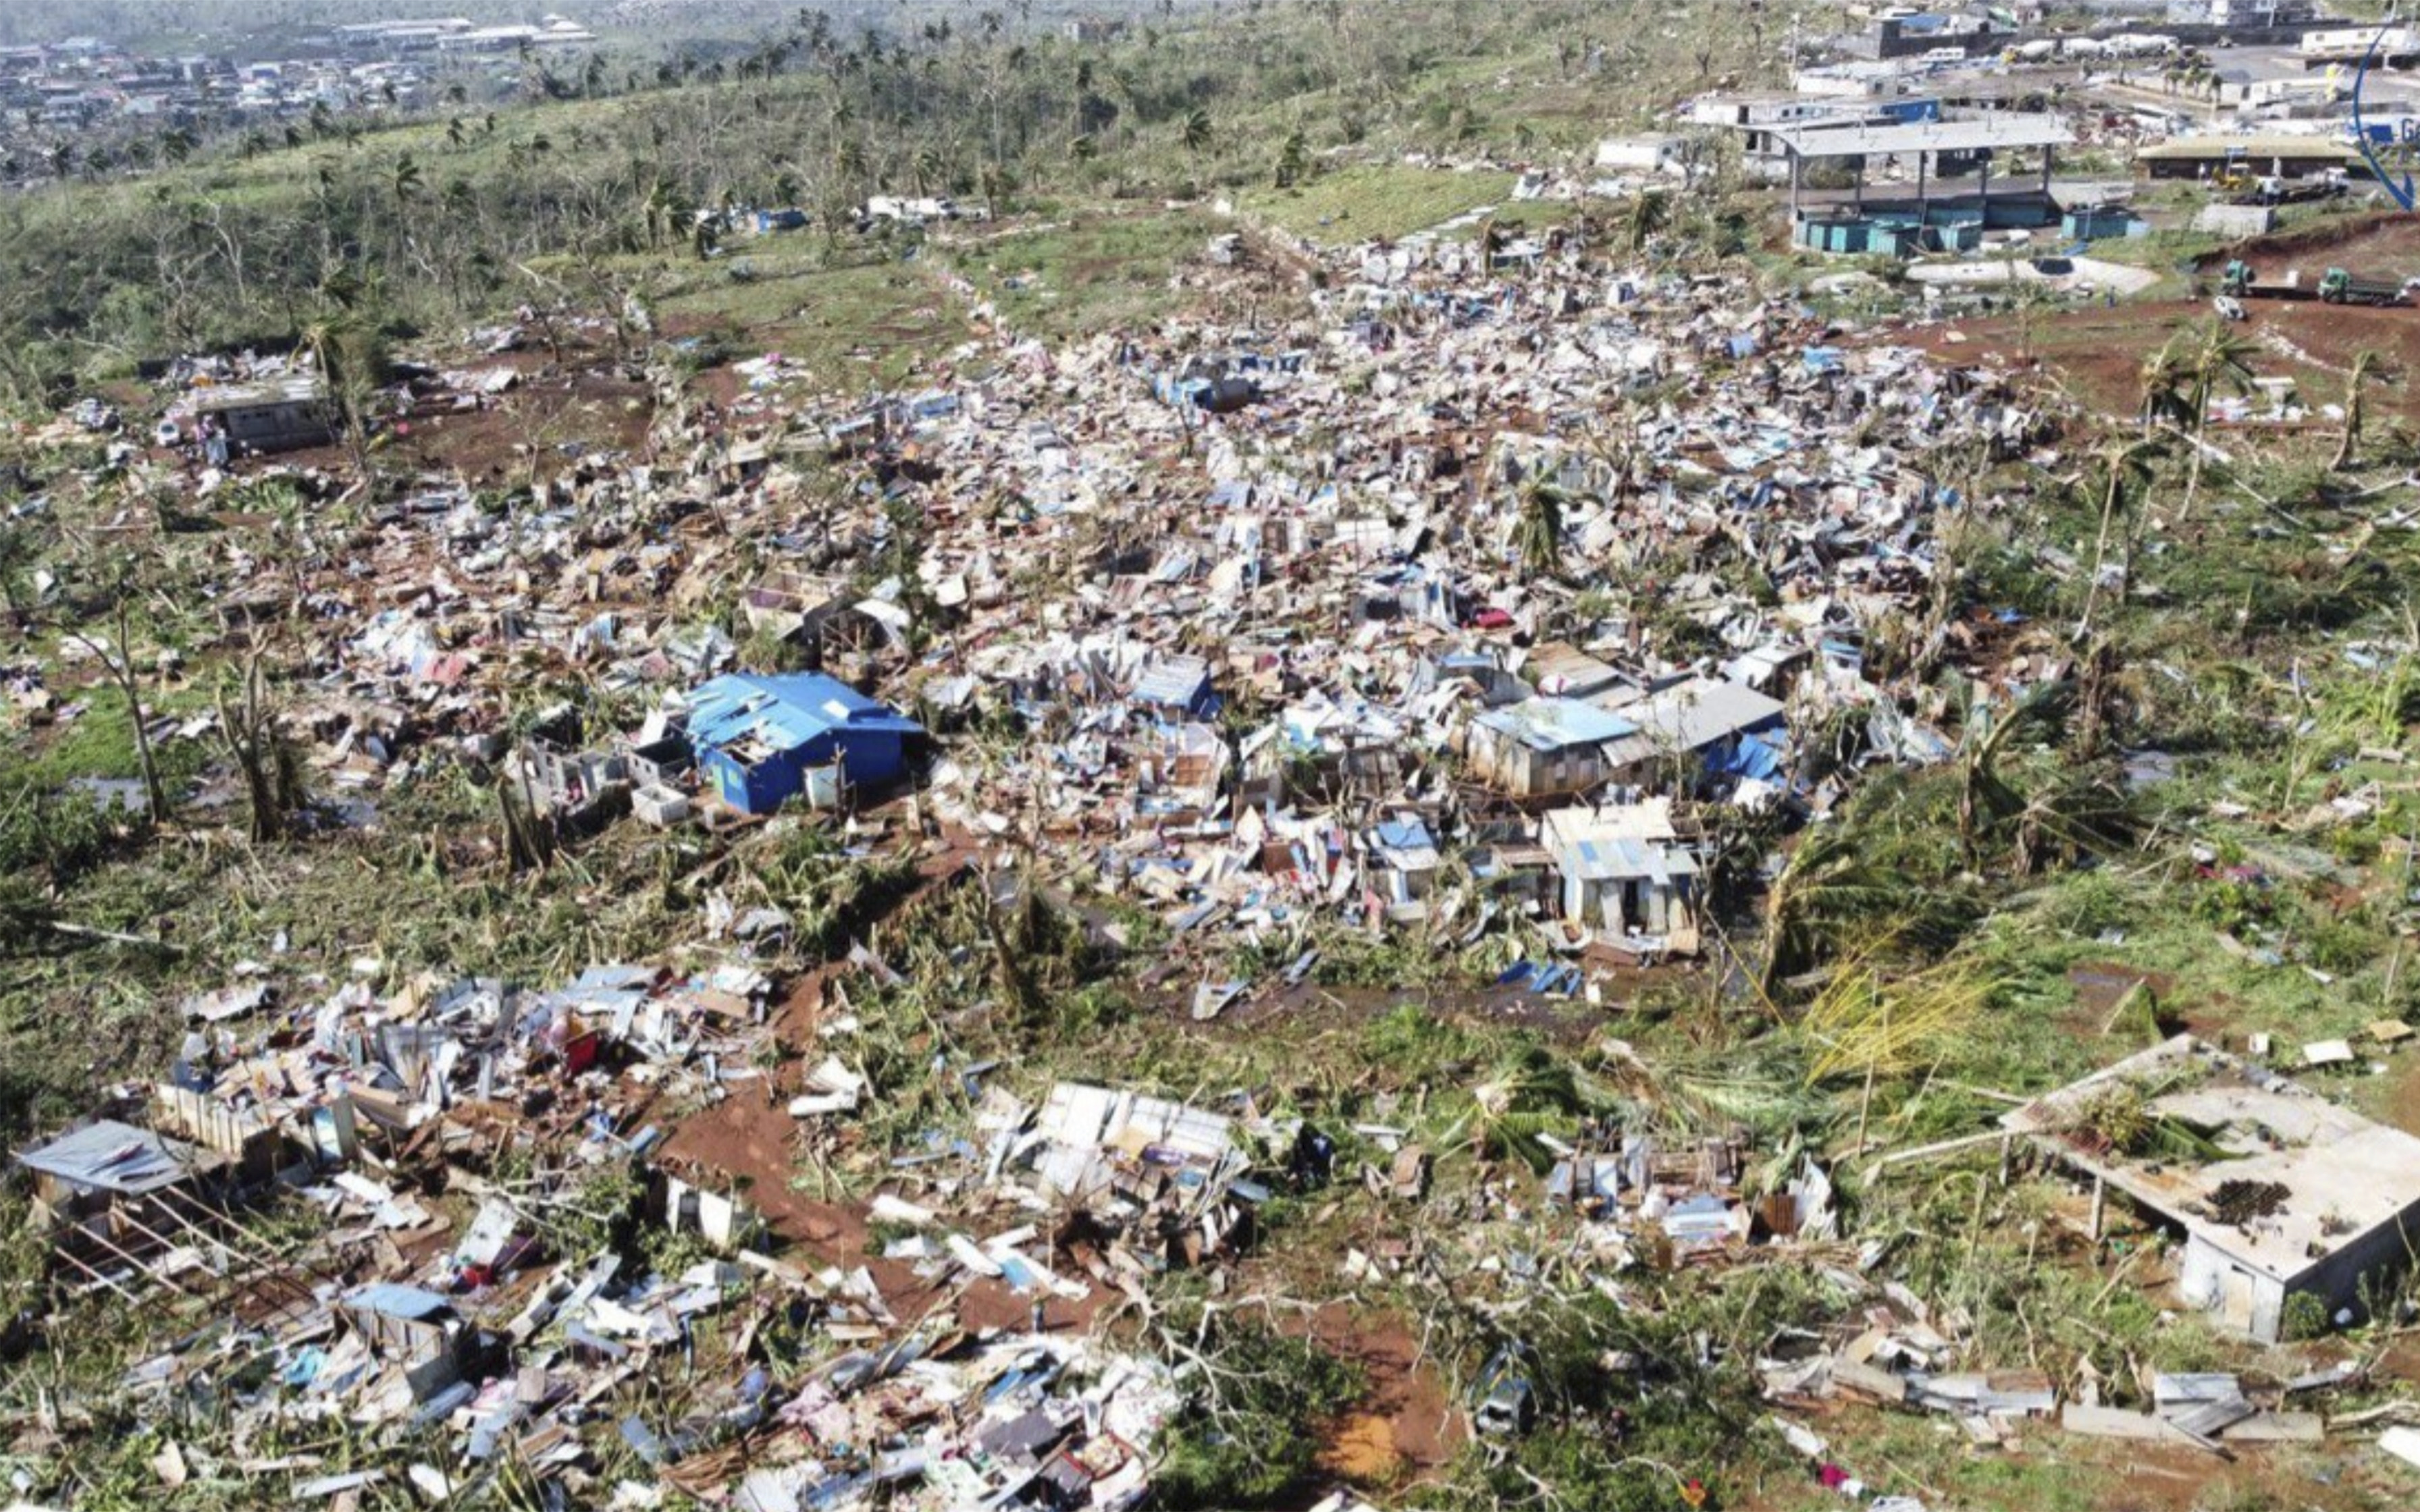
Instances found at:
x=2002 y=128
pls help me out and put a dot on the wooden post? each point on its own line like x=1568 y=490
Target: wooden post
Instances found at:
x=2099 y=1202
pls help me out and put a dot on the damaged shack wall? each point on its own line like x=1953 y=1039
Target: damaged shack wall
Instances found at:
x=2237 y=1295
x=276 y=427
x=2243 y=1298
x=1522 y=771
x=817 y=767
x=2377 y=1256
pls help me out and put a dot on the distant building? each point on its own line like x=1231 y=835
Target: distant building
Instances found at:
x=1764 y=120
x=1926 y=34
x=400 y=35
x=2276 y=154
x=550 y=31
x=2235 y=13
x=1654 y=153
x=261 y=417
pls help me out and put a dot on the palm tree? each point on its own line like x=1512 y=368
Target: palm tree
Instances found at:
x=1538 y=536
x=2163 y=389
x=1198 y=134
x=1828 y=894
x=1293 y=159
x=406 y=182
x=2219 y=356
x=2365 y=364
x=1650 y=213
x=2125 y=470
x=657 y=213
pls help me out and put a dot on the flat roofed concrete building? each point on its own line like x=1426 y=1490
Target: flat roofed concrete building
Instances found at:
x=2349 y=1208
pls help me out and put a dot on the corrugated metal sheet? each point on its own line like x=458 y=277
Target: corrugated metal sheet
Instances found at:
x=1173 y=682
x=785 y=712
x=116 y=1157
x=1556 y=723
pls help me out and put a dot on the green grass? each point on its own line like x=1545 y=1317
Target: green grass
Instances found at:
x=1376 y=203
x=849 y=324
x=1092 y=273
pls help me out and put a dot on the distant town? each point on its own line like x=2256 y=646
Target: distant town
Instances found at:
x=89 y=102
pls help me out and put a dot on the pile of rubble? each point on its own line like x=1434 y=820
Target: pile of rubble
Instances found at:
x=1375 y=621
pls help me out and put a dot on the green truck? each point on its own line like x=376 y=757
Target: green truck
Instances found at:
x=2336 y=286
x=2237 y=282
x=2341 y=288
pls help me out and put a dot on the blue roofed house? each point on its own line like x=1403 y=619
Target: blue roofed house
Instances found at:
x=763 y=740
x=1542 y=747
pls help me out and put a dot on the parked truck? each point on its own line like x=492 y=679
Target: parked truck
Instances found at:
x=2272 y=189
x=2342 y=287
x=2237 y=282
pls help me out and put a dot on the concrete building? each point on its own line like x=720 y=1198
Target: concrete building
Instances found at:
x=1938 y=215
x=2339 y=1195
x=1758 y=118
x=2238 y=13
x=258 y=418
x=1652 y=152
x=2278 y=154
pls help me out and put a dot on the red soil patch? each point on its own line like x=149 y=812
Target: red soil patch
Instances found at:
x=1407 y=1421
x=2096 y=355
x=2379 y=245
x=751 y=1137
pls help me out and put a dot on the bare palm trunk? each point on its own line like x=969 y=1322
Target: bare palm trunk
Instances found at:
x=2109 y=497
x=2192 y=466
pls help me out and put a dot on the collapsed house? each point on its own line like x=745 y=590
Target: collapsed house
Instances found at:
x=281 y=415
x=122 y=1202
x=2279 y=1193
x=1165 y=1182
